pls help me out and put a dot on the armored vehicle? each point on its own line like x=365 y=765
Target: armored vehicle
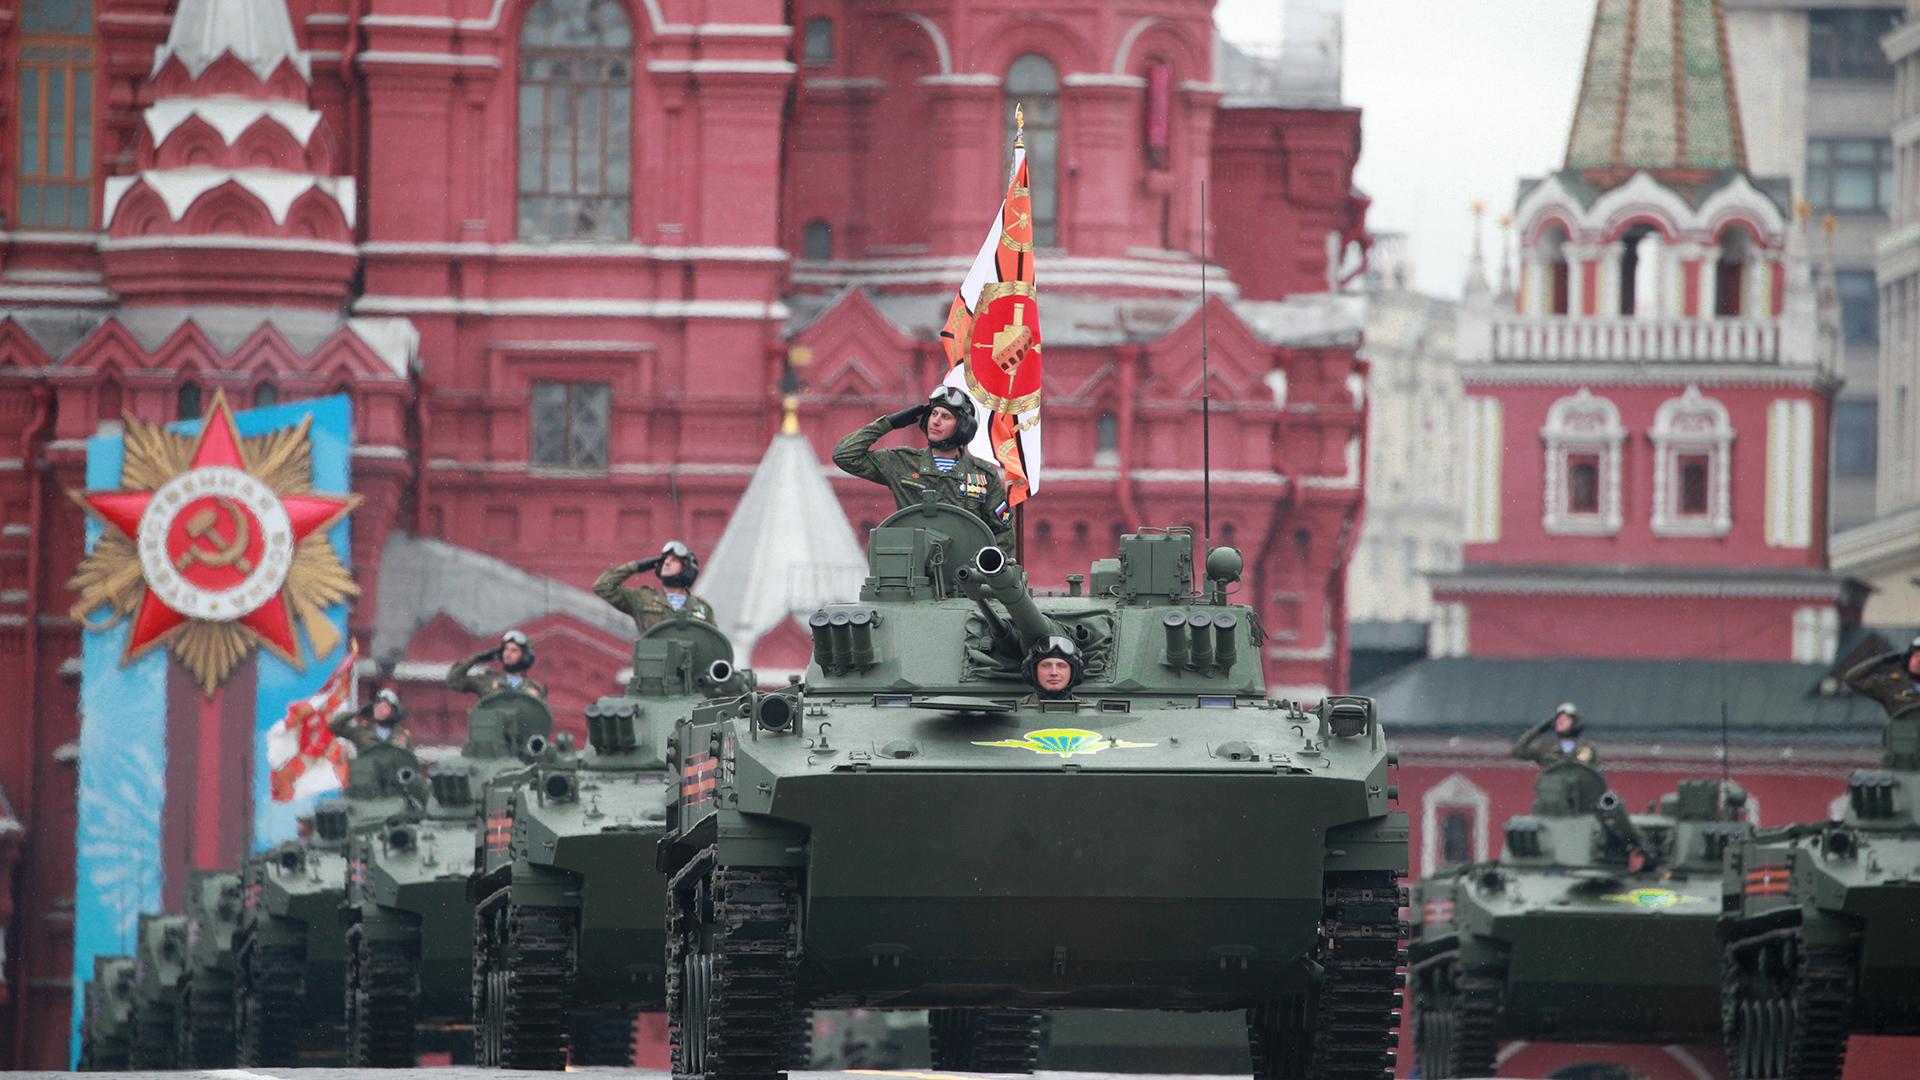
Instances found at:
x=289 y=960
x=912 y=827
x=203 y=1022
x=569 y=929
x=1594 y=925
x=159 y=959
x=106 y=1016
x=408 y=919
x=1821 y=924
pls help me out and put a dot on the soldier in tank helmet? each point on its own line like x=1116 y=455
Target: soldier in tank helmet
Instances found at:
x=381 y=720
x=677 y=567
x=1557 y=738
x=948 y=420
x=514 y=655
x=1053 y=667
x=1890 y=679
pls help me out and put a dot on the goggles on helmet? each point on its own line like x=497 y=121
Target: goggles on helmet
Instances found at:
x=514 y=637
x=952 y=399
x=676 y=549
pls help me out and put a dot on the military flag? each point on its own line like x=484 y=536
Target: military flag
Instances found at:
x=992 y=338
x=305 y=757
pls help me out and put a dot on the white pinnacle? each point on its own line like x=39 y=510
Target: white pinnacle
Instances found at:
x=258 y=33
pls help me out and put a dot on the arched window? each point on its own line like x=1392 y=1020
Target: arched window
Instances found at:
x=1692 y=445
x=576 y=121
x=1640 y=258
x=1106 y=439
x=55 y=115
x=1583 y=437
x=1159 y=134
x=817 y=43
x=186 y=402
x=818 y=242
x=1033 y=85
x=266 y=394
x=1730 y=273
x=1453 y=823
x=1555 y=281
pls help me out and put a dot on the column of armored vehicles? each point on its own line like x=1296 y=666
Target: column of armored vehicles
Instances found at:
x=917 y=823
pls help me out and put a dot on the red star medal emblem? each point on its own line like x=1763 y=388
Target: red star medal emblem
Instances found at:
x=215 y=542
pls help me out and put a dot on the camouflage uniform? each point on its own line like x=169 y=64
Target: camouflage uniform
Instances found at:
x=648 y=606
x=1885 y=680
x=348 y=724
x=1542 y=745
x=491 y=680
x=973 y=485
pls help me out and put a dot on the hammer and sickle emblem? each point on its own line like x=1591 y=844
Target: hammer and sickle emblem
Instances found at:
x=204 y=527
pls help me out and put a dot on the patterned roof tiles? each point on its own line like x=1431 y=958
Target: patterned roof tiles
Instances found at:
x=1658 y=90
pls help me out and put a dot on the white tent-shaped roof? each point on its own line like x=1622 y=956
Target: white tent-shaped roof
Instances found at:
x=787 y=550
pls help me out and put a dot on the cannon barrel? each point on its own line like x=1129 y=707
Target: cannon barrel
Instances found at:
x=1612 y=812
x=722 y=679
x=977 y=591
x=1007 y=583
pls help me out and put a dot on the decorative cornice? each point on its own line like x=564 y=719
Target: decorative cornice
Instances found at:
x=1561 y=581
x=1705 y=375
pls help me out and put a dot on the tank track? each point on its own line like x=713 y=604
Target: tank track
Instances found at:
x=98 y=1054
x=985 y=1040
x=267 y=1005
x=602 y=1037
x=1792 y=1020
x=522 y=970
x=1455 y=1019
x=203 y=1025
x=1350 y=1023
x=379 y=1002
x=152 y=1044
x=730 y=975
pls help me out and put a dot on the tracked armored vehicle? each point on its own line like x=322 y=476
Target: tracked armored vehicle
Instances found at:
x=203 y=1021
x=569 y=929
x=106 y=1016
x=912 y=828
x=289 y=960
x=1821 y=924
x=159 y=958
x=1594 y=925
x=408 y=919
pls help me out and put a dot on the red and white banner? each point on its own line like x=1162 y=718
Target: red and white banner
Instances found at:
x=305 y=758
x=992 y=339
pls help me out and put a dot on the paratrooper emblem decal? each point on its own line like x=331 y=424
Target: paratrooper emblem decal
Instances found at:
x=1653 y=898
x=214 y=544
x=1066 y=742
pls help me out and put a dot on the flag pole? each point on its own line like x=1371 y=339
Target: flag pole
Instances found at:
x=1019 y=512
x=1206 y=392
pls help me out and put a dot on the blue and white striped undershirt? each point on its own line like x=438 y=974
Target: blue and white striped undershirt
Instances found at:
x=945 y=464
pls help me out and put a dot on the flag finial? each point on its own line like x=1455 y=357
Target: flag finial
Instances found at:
x=790 y=425
x=1019 y=127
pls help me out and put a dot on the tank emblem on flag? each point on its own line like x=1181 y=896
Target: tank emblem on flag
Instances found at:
x=1066 y=742
x=1654 y=898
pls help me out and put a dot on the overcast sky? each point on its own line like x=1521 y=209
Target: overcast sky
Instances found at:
x=1462 y=98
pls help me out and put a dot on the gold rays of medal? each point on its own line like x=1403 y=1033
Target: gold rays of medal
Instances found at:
x=110 y=577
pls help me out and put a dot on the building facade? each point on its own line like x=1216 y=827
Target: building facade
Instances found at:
x=1817 y=93
x=566 y=257
x=1885 y=553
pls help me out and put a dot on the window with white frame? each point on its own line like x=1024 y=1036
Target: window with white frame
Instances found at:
x=1453 y=823
x=1583 y=437
x=1692 y=446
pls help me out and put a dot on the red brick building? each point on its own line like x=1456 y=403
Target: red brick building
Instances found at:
x=562 y=255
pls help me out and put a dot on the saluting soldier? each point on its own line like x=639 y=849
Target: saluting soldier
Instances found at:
x=515 y=656
x=379 y=721
x=1889 y=679
x=944 y=467
x=1557 y=738
x=677 y=567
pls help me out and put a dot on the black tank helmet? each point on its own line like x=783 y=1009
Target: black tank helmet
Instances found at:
x=1572 y=710
x=515 y=637
x=392 y=699
x=689 y=565
x=955 y=401
x=1054 y=646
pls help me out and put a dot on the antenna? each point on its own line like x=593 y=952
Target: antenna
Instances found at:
x=1206 y=392
x=1726 y=762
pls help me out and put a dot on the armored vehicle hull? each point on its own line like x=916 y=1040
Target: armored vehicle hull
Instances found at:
x=160 y=956
x=1822 y=934
x=203 y=1030
x=569 y=930
x=408 y=910
x=106 y=1017
x=1165 y=837
x=1594 y=926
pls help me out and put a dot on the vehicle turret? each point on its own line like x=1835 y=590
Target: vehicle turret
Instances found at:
x=106 y=1021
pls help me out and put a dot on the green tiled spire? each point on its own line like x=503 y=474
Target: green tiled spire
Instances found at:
x=1658 y=90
